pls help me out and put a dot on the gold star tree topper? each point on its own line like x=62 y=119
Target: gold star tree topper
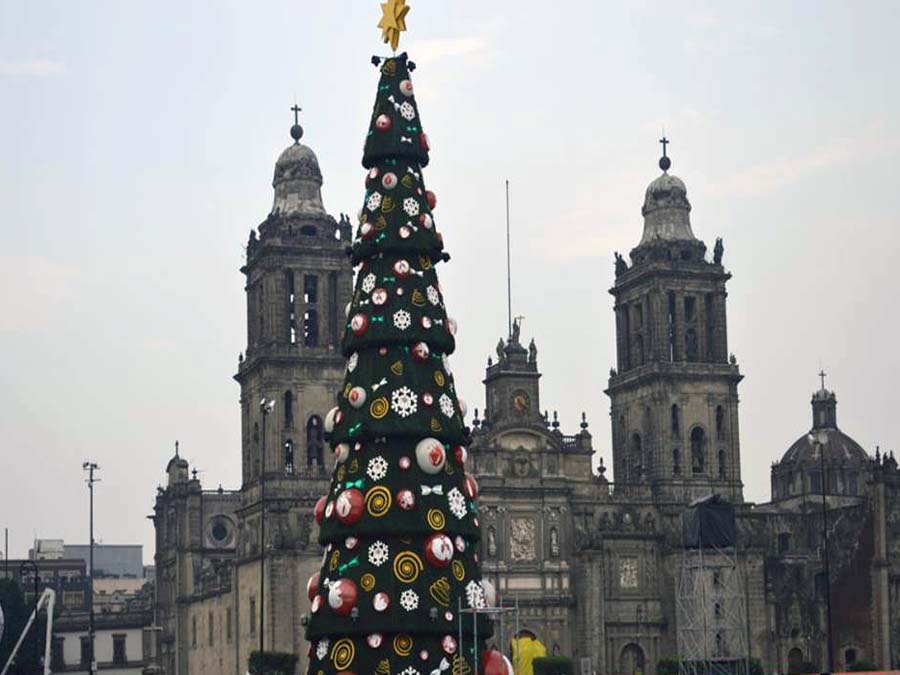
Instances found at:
x=393 y=21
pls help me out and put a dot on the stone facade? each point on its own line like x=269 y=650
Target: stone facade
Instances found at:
x=593 y=565
x=208 y=542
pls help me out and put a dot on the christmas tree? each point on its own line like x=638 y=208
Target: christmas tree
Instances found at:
x=399 y=524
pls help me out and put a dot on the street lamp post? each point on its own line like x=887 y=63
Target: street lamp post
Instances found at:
x=266 y=406
x=91 y=467
x=818 y=440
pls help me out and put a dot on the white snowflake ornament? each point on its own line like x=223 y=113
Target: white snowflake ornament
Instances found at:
x=411 y=206
x=409 y=600
x=368 y=283
x=404 y=401
x=433 y=296
x=374 y=201
x=378 y=553
x=475 y=595
x=407 y=112
x=402 y=319
x=457 y=503
x=377 y=468
x=322 y=648
x=446 y=404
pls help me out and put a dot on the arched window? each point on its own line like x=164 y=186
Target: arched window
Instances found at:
x=849 y=656
x=292 y=325
x=676 y=425
x=637 y=455
x=676 y=462
x=254 y=471
x=315 y=442
x=308 y=231
x=289 y=457
x=795 y=660
x=690 y=344
x=698 y=450
x=721 y=465
x=288 y=408
x=631 y=660
x=311 y=328
x=720 y=422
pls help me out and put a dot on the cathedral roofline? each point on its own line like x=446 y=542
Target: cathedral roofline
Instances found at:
x=675 y=370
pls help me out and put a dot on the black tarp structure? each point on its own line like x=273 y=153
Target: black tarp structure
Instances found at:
x=708 y=522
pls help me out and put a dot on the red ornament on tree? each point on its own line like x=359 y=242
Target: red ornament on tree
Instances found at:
x=320 y=509
x=420 y=352
x=349 y=506
x=431 y=199
x=342 y=596
x=438 y=550
x=493 y=663
x=312 y=586
x=359 y=323
x=470 y=486
x=383 y=122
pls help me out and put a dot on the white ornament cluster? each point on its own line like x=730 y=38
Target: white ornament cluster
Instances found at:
x=322 y=648
x=374 y=201
x=368 y=283
x=402 y=319
x=446 y=404
x=411 y=206
x=475 y=595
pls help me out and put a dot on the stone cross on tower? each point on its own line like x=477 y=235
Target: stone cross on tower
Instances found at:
x=664 y=161
x=822 y=377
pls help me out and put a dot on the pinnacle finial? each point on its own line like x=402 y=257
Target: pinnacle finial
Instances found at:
x=296 y=129
x=664 y=161
x=822 y=377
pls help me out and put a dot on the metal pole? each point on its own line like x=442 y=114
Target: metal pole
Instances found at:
x=825 y=556
x=508 y=267
x=460 y=646
x=90 y=467
x=518 y=639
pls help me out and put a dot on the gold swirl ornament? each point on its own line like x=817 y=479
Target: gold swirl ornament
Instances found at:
x=459 y=570
x=439 y=378
x=383 y=667
x=335 y=559
x=436 y=519
x=379 y=408
x=408 y=566
x=367 y=581
x=342 y=653
x=440 y=592
x=403 y=644
x=378 y=501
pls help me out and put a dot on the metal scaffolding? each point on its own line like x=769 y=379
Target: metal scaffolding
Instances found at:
x=711 y=614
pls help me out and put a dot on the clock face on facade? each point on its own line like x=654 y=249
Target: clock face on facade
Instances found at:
x=520 y=402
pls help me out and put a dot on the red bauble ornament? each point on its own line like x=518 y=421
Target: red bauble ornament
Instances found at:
x=381 y=601
x=406 y=500
x=425 y=221
x=406 y=87
x=401 y=268
x=342 y=596
x=349 y=506
x=423 y=139
x=448 y=644
x=320 y=509
x=389 y=181
x=493 y=663
x=367 y=230
x=461 y=455
x=316 y=604
x=356 y=398
x=430 y=455
x=420 y=352
x=374 y=640
x=431 y=199
x=312 y=586
x=359 y=324
x=470 y=486
x=383 y=122
x=438 y=550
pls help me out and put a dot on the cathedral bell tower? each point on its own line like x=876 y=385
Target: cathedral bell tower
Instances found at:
x=298 y=283
x=674 y=402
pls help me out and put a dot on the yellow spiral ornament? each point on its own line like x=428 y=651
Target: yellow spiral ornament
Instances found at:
x=378 y=501
x=407 y=566
x=439 y=378
x=367 y=581
x=403 y=645
x=379 y=408
x=343 y=653
x=436 y=519
x=459 y=570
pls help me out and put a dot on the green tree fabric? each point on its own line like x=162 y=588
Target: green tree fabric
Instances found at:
x=399 y=524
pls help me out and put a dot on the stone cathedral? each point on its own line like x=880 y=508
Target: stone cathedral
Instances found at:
x=593 y=564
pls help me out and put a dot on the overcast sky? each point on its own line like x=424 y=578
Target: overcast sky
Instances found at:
x=138 y=141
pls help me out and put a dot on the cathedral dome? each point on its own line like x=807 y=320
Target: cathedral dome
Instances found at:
x=297 y=182
x=838 y=447
x=666 y=210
